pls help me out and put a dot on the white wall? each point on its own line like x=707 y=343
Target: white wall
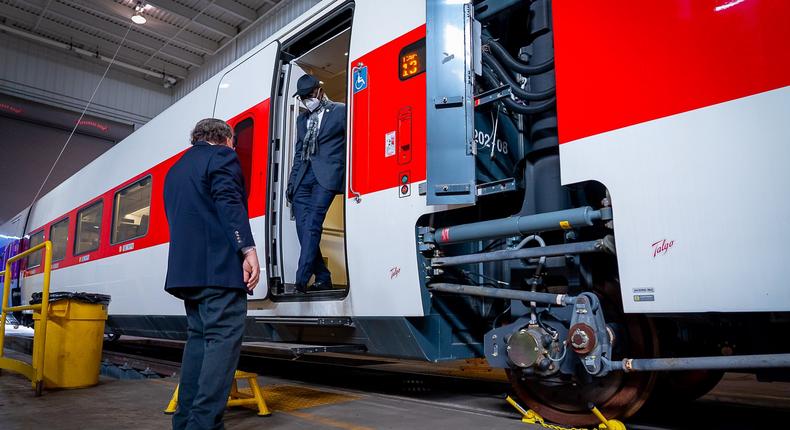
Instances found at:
x=63 y=79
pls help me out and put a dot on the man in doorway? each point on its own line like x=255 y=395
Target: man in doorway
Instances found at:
x=316 y=176
x=212 y=265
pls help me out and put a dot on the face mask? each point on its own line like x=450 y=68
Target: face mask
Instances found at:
x=311 y=104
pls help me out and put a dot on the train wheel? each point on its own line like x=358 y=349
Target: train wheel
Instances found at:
x=617 y=395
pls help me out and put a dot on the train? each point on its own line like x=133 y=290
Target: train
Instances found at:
x=587 y=194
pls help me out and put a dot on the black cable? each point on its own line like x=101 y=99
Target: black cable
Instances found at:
x=496 y=319
x=529 y=110
x=512 y=63
x=514 y=106
x=505 y=77
x=496 y=282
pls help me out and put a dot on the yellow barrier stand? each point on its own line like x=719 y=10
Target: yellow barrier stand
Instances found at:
x=238 y=397
x=35 y=371
x=531 y=417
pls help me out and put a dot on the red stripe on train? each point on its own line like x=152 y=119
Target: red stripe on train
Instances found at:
x=626 y=62
x=158 y=233
x=388 y=106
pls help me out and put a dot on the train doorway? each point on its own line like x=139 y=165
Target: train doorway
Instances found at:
x=323 y=53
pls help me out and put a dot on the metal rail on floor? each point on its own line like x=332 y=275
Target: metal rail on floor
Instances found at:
x=35 y=371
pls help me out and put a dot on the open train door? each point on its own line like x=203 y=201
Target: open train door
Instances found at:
x=320 y=49
x=243 y=100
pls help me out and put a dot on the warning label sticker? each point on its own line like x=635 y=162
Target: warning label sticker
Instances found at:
x=389 y=144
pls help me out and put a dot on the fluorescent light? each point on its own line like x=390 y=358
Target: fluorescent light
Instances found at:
x=138 y=19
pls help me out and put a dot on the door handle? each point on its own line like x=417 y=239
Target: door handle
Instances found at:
x=404 y=135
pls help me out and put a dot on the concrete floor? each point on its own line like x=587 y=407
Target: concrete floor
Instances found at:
x=333 y=401
x=138 y=404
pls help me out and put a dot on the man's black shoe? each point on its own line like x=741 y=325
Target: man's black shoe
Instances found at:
x=300 y=289
x=321 y=286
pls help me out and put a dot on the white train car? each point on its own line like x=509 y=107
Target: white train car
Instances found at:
x=477 y=130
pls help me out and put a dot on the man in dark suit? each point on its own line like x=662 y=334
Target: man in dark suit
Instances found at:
x=316 y=176
x=212 y=265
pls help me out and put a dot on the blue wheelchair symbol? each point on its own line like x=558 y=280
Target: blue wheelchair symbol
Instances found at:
x=360 y=79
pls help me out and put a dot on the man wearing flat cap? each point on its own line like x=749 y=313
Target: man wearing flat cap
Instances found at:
x=316 y=177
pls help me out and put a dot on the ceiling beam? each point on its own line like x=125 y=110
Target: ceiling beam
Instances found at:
x=196 y=17
x=107 y=48
x=153 y=25
x=65 y=46
x=236 y=9
x=114 y=29
x=88 y=42
x=41 y=15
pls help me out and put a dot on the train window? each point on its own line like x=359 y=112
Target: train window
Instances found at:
x=243 y=136
x=412 y=60
x=59 y=235
x=131 y=210
x=87 y=236
x=34 y=260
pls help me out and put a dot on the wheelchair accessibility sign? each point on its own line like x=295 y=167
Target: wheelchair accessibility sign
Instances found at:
x=360 y=79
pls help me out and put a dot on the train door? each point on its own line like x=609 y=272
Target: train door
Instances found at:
x=243 y=100
x=323 y=53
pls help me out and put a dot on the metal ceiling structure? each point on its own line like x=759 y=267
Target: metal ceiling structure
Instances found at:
x=177 y=38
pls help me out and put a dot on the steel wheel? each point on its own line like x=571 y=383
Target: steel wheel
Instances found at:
x=618 y=395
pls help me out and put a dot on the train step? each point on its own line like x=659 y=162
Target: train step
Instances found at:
x=319 y=321
x=297 y=349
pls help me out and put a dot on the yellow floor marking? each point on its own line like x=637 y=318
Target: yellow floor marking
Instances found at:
x=291 y=398
x=327 y=421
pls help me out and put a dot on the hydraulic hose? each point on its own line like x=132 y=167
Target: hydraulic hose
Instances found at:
x=505 y=77
x=514 y=106
x=511 y=63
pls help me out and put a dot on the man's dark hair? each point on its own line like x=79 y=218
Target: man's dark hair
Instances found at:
x=211 y=130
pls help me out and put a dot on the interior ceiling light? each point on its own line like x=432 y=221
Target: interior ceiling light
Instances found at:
x=138 y=18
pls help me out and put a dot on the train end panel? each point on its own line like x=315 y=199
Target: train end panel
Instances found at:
x=681 y=112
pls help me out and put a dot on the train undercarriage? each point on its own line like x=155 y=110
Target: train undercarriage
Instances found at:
x=534 y=263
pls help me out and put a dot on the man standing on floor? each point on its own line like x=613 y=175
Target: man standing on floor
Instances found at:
x=212 y=266
x=316 y=176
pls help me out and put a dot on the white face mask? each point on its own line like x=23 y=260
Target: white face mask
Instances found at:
x=311 y=104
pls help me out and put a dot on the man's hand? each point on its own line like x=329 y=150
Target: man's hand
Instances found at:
x=289 y=193
x=251 y=269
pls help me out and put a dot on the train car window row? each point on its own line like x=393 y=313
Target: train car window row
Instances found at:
x=88 y=231
x=130 y=220
x=34 y=260
x=59 y=235
x=131 y=211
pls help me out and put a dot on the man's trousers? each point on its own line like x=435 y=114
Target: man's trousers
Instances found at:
x=215 y=318
x=311 y=202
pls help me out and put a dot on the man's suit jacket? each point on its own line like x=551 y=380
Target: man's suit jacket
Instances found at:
x=206 y=210
x=329 y=162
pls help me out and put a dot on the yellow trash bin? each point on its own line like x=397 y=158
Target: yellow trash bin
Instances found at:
x=73 y=349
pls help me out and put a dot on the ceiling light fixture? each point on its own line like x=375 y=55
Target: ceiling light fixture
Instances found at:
x=138 y=18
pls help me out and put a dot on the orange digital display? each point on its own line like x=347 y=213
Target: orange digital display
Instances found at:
x=410 y=65
x=412 y=60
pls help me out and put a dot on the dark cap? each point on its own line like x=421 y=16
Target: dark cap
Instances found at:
x=305 y=85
